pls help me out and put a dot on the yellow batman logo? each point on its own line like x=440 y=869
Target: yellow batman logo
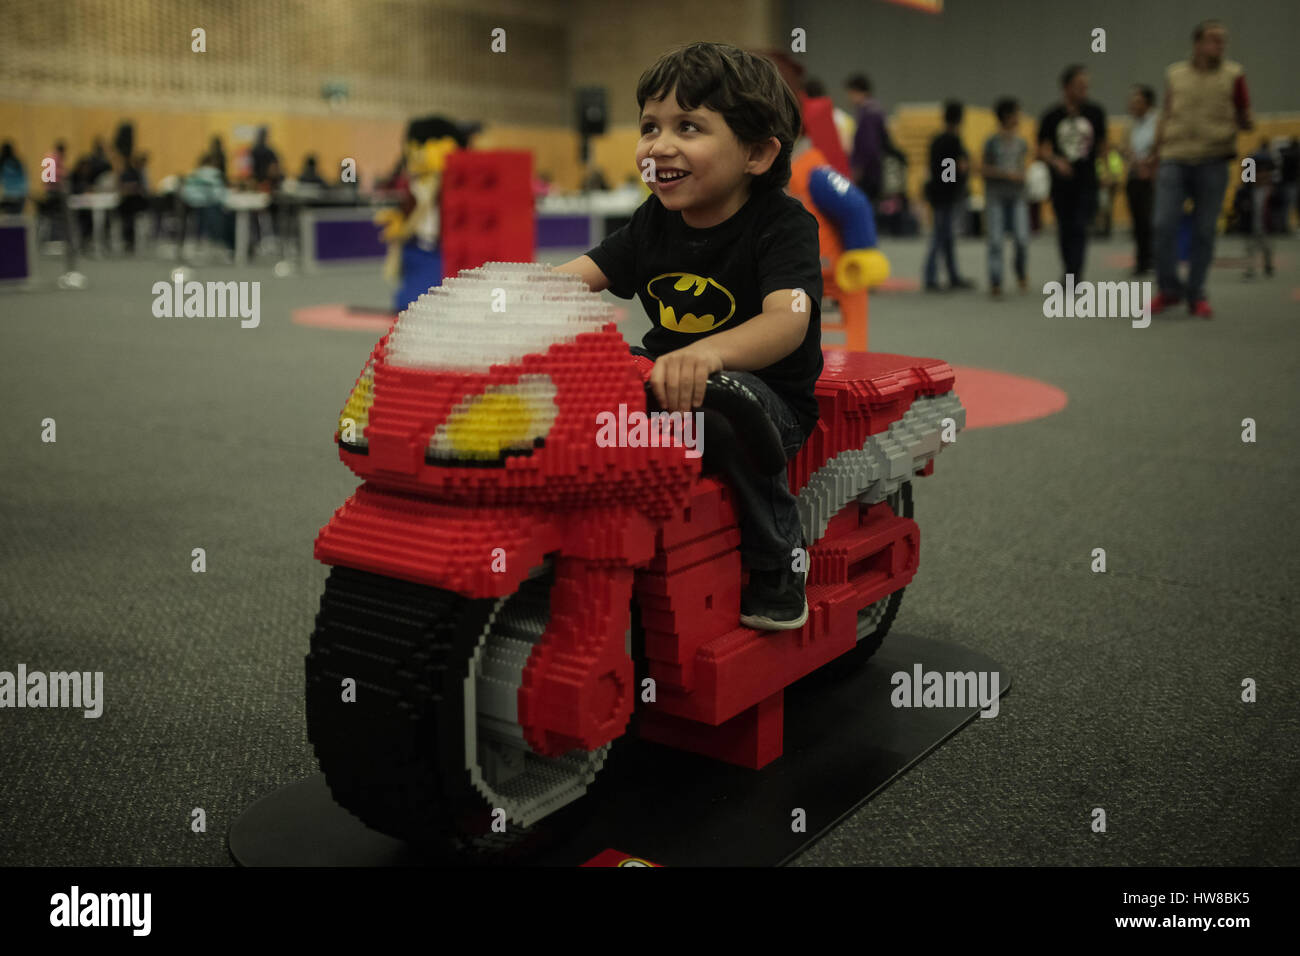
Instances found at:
x=690 y=303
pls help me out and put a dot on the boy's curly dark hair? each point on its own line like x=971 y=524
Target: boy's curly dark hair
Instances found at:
x=745 y=88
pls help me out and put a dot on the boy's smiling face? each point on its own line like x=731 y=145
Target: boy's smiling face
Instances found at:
x=699 y=166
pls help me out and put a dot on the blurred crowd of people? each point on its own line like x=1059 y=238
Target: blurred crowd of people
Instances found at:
x=200 y=194
x=1177 y=151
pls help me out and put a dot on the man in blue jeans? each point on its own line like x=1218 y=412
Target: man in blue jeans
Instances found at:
x=1003 y=169
x=1206 y=103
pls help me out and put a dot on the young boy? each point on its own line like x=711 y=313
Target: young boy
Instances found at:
x=1140 y=187
x=727 y=267
x=1003 y=170
x=949 y=166
x=1261 y=196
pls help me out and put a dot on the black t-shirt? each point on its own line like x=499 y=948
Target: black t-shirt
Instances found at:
x=695 y=282
x=1077 y=138
x=946 y=145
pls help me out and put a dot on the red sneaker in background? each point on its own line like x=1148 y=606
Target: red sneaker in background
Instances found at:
x=1201 y=309
x=1162 y=302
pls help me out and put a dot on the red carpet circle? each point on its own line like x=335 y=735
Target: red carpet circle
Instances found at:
x=338 y=316
x=999 y=398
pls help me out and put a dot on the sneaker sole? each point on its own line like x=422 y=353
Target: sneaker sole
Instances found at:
x=760 y=623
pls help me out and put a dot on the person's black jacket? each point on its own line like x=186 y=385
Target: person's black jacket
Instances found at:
x=947 y=145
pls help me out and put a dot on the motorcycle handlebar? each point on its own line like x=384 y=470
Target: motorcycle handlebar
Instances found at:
x=738 y=422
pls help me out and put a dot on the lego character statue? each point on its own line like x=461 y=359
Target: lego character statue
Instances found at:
x=851 y=263
x=413 y=231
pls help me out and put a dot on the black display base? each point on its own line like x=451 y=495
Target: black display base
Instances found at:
x=844 y=742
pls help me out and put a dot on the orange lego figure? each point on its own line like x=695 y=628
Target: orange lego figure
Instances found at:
x=846 y=227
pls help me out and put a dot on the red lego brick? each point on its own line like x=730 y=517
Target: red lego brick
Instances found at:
x=751 y=739
x=578 y=690
x=740 y=667
x=860 y=394
x=487 y=209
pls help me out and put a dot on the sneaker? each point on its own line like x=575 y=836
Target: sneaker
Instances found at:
x=774 y=600
x=1200 y=309
x=933 y=287
x=961 y=284
x=1023 y=284
x=1162 y=302
x=995 y=291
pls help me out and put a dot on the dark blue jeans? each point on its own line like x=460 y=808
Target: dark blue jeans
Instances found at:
x=1004 y=215
x=941 y=241
x=1204 y=183
x=1074 y=208
x=421 y=271
x=765 y=508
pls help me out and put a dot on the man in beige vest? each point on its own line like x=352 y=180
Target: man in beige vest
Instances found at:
x=1206 y=102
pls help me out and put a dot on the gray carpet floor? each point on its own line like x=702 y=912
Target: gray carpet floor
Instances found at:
x=177 y=434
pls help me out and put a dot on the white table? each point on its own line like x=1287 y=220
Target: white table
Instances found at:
x=595 y=207
x=241 y=204
x=99 y=204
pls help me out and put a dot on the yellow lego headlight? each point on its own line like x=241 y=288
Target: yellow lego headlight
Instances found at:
x=356 y=413
x=499 y=421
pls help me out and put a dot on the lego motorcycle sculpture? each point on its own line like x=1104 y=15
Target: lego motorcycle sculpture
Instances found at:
x=518 y=582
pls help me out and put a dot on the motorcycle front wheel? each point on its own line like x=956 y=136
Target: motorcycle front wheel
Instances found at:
x=424 y=745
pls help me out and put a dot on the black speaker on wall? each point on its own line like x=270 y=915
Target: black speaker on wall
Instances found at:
x=592 y=114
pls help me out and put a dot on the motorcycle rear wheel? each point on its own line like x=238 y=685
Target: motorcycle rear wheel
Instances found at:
x=875 y=620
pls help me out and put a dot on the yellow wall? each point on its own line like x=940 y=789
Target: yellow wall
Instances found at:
x=73 y=69
x=174 y=140
x=612 y=42
x=394 y=58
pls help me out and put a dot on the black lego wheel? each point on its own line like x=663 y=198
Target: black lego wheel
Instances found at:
x=875 y=620
x=403 y=757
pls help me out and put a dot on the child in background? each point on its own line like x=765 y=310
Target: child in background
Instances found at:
x=1140 y=188
x=204 y=194
x=13 y=180
x=949 y=167
x=1110 y=173
x=1261 y=195
x=728 y=269
x=1005 y=208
